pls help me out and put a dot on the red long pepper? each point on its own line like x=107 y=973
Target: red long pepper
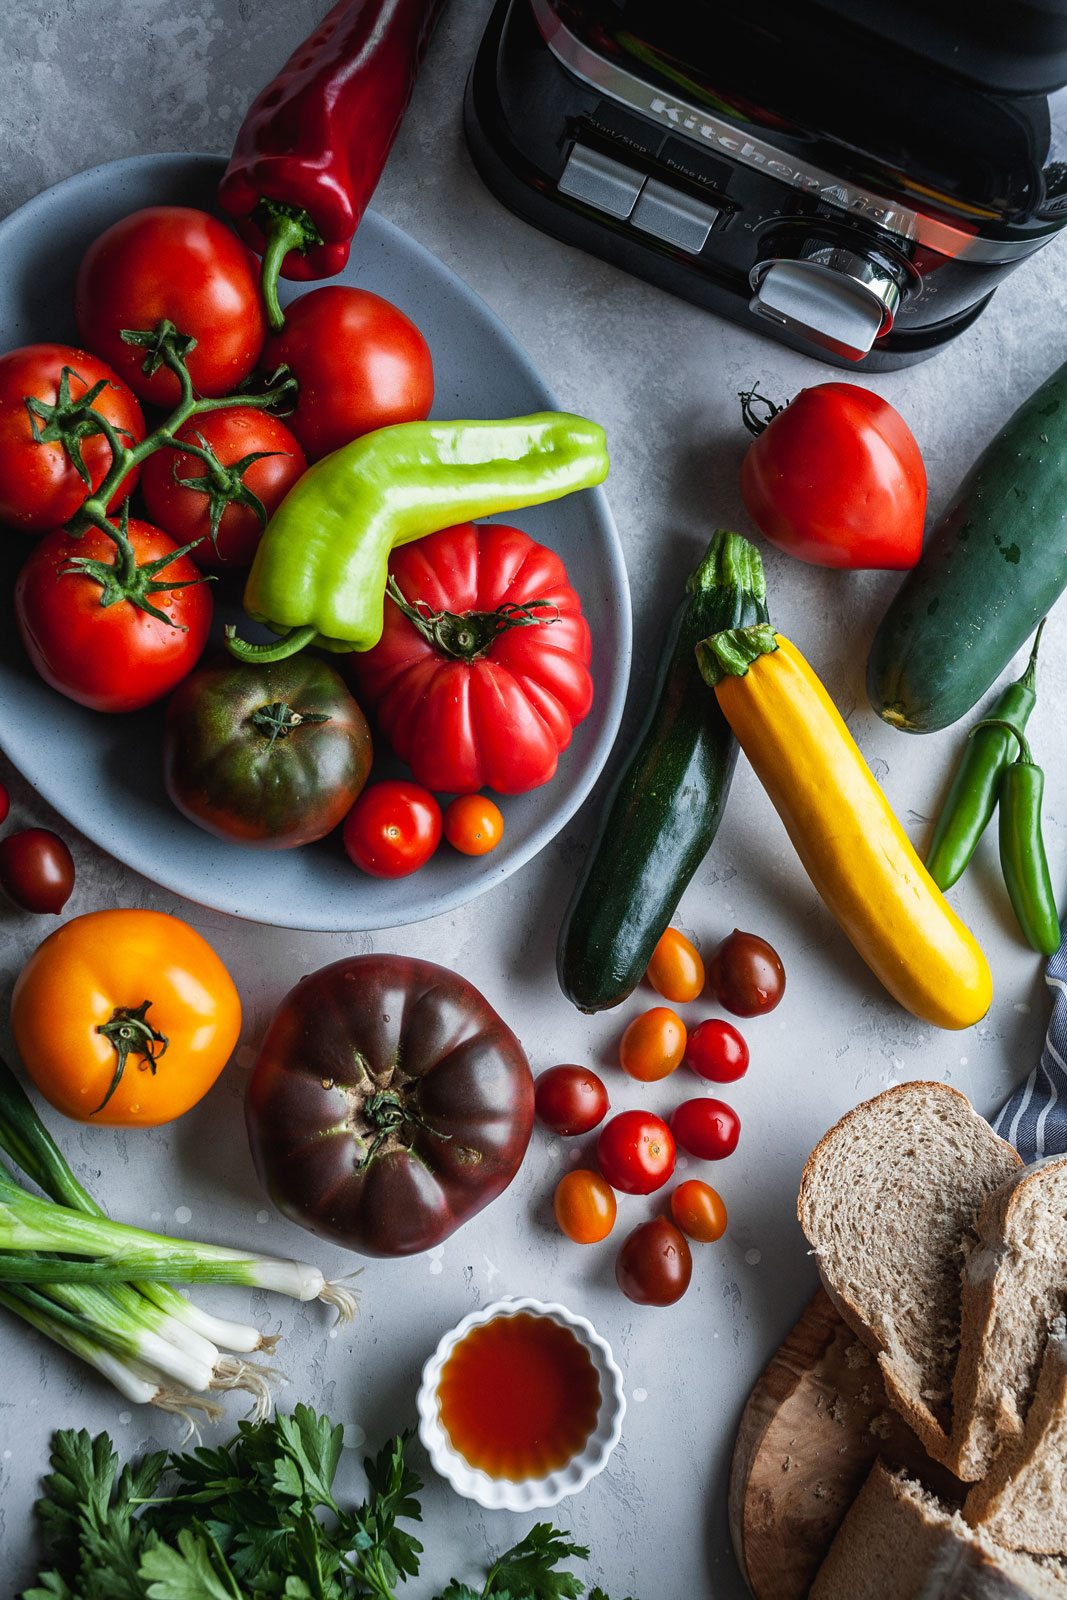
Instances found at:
x=311 y=149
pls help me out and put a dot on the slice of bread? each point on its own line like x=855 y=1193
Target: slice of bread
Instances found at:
x=1022 y=1501
x=1014 y=1286
x=898 y=1542
x=886 y=1198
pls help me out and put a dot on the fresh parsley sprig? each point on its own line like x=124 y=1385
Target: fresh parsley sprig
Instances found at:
x=255 y=1520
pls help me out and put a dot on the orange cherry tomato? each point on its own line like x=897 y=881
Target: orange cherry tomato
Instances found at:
x=585 y=1206
x=473 y=824
x=676 y=970
x=124 y=1018
x=653 y=1044
x=699 y=1211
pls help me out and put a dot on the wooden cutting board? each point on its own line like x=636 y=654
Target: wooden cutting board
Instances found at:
x=813 y=1425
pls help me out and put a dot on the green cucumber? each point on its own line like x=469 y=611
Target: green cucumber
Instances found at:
x=993 y=567
x=664 y=807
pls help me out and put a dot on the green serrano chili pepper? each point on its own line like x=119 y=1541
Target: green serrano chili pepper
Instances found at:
x=1022 y=849
x=320 y=571
x=972 y=796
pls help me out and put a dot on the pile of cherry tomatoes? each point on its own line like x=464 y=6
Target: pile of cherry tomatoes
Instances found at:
x=636 y=1150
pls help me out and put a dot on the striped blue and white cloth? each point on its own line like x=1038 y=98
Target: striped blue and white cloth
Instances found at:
x=1035 y=1118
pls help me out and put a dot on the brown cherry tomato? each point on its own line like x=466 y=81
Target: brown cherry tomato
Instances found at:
x=676 y=970
x=473 y=824
x=585 y=1206
x=652 y=1045
x=570 y=1100
x=698 y=1210
x=655 y=1264
x=36 y=870
x=746 y=975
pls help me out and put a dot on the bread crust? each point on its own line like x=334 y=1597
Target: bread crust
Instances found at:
x=904 y=1393
x=985 y=1418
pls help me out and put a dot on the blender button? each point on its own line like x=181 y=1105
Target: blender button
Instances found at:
x=600 y=181
x=674 y=217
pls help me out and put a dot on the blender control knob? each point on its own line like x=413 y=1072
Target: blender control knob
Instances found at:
x=835 y=297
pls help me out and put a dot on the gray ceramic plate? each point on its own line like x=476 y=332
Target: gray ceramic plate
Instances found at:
x=103 y=773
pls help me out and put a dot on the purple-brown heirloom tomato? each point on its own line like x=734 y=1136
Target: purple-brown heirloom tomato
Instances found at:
x=388 y=1104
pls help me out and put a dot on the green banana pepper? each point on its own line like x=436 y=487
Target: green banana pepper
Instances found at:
x=320 y=571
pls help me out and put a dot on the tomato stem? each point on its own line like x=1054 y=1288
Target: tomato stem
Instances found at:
x=750 y=399
x=123 y=579
x=129 y=1032
x=167 y=347
x=278 y=720
x=468 y=635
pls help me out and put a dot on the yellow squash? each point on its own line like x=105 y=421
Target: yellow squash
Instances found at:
x=844 y=830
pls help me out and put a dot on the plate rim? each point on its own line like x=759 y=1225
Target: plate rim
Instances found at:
x=461 y=895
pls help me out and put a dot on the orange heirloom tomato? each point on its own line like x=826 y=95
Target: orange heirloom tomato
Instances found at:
x=676 y=970
x=473 y=824
x=585 y=1206
x=124 y=1018
x=653 y=1044
x=698 y=1210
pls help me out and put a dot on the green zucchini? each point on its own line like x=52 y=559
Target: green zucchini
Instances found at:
x=666 y=804
x=992 y=568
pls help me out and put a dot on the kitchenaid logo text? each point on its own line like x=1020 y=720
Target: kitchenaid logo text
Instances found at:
x=766 y=157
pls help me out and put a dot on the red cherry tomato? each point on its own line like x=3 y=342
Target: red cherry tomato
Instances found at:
x=570 y=1100
x=36 y=870
x=393 y=829
x=585 y=1206
x=360 y=363
x=716 y=1051
x=746 y=975
x=185 y=512
x=110 y=657
x=652 y=1045
x=655 y=1264
x=699 y=1211
x=5 y=803
x=676 y=970
x=836 y=478
x=172 y=263
x=40 y=487
x=635 y=1152
x=708 y=1129
x=473 y=824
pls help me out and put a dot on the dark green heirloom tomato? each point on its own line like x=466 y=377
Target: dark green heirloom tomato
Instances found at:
x=388 y=1104
x=267 y=755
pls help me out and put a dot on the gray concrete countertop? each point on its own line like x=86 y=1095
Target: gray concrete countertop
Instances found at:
x=80 y=85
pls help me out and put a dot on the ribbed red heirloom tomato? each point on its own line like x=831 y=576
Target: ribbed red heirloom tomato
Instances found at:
x=836 y=478
x=479 y=681
x=40 y=487
x=389 y=1103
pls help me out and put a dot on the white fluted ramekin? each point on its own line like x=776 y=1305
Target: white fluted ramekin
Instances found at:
x=525 y=1494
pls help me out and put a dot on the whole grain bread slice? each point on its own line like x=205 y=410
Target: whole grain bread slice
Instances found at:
x=886 y=1198
x=1014 y=1288
x=1022 y=1501
x=898 y=1542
